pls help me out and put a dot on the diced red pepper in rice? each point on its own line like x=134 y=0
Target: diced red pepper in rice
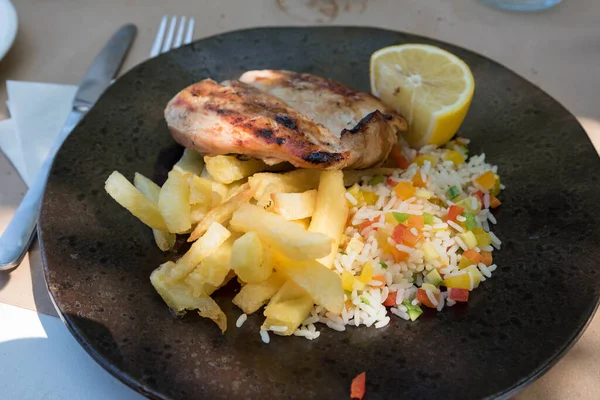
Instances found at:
x=390 y=182
x=358 y=386
x=403 y=235
x=424 y=299
x=398 y=157
x=480 y=195
x=399 y=232
x=390 y=300
x=365 y=225
x=453 y=212
x=461 y=295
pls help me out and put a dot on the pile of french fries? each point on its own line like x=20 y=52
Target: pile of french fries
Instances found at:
x=277 y=232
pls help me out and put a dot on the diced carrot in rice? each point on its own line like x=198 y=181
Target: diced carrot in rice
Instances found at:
x=404 y=190
x=472 y=255
x=494 y=202
x=424 y=299
x=486 y=258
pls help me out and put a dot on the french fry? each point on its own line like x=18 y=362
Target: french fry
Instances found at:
x=331 y=211
x=198 y=212
x=234 y=188
x=299 y=180
x=304 y=223
x=352 y=176
x=179 y=296
x=214 y=237
x=214 y=268
x=220 y=188
x=227 y=169
x=294 y=206
x=124 y=193
x=248 y=259
x=289 y=307
x=173 y=203
x=320 y=282
x=190 y=162
x=199 y=288
x=222 y=212
x=253 y=296
x=201 y=190
x=164 y=240
x=280 y=234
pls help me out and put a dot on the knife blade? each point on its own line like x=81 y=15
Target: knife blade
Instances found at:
x=17 y=237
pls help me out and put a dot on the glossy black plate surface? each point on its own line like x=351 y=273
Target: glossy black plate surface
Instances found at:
x=98 y=257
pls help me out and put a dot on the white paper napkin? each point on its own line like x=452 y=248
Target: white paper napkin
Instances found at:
x=38 y=111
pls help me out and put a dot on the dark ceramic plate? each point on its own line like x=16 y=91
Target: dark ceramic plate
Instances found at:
x=98 y=257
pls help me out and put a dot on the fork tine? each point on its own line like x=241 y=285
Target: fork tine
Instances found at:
x=169 y=39
x=190 y=32
x=179 y=36
x=159 y=37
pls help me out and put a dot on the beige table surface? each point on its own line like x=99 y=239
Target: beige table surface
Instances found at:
x=558 y=49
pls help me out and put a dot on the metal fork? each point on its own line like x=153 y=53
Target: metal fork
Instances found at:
x=163 y=43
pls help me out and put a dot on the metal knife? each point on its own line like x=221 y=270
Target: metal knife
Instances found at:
x=17 y=237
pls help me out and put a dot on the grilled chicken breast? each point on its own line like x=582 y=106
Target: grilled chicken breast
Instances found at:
x=367 y=128
x=280 y=116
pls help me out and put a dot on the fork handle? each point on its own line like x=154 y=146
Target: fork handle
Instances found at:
x=17 y=237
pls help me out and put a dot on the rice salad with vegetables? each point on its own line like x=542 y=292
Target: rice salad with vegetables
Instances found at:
x=419 y=238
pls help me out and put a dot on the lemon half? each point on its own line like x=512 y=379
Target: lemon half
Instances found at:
x=428 y=86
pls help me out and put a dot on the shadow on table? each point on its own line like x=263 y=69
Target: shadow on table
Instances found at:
x=4 y=278
x=59 y=367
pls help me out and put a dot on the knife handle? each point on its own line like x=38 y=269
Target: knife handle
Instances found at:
x=17 y=237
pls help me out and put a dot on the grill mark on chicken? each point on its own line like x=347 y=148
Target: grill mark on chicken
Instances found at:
x=322 y=157
x=286 y=121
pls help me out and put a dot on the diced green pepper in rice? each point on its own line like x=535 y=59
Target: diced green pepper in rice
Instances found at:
x=401 y=217
x=376 y=180
x=453 y=193
x=427 y=218
x=413 y=311
x=470 y=222
x=434 y=277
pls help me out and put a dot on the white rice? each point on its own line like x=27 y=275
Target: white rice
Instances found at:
x=240 y=321
x=264 y=336
x=431 y=297
x=363 y=306
x=351 y=199
x=456 y=226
